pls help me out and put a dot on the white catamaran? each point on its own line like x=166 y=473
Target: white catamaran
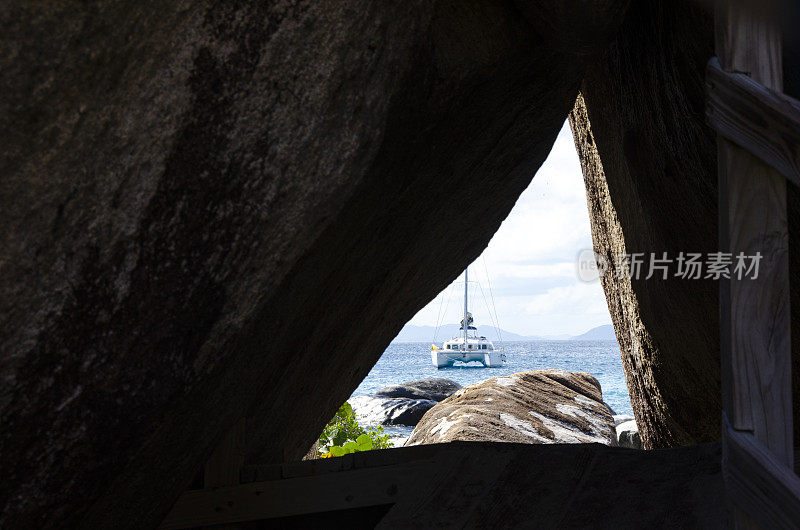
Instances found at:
x=467 y=347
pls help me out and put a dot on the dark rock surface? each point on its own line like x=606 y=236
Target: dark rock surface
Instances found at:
x=378 y=410
x=192 y=191
x=434 y=389
x=542 y=406
x=402 y=404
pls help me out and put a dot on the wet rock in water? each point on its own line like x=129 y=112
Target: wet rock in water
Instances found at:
x=402 y=404
x=378 y=410
x=434 y=389
x=628 y=435
x=541 y=406
x=621 y=418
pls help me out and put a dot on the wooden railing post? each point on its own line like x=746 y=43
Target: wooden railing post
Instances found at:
x=754 y=312
x=225 y=464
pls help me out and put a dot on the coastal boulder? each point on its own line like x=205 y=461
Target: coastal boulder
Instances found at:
x=377 y=410
x=402 y=404
x=434 y=389
x=541 y=406
x=628 y=435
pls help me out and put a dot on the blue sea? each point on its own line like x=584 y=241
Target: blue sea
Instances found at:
x=407 y=361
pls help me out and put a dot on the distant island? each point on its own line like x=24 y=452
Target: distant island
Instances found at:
x=411 y=333
x=605 y=332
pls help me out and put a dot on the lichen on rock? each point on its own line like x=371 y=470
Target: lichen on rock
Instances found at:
x=541 y=406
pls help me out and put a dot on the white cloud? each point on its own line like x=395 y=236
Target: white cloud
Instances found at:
x=564 y=269
x=531 y=258
x=568 y=300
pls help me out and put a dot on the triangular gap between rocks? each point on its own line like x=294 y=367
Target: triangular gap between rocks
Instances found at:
x=545 y=296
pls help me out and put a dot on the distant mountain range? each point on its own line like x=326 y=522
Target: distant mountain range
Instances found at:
x=425 y=334
x=605 y=332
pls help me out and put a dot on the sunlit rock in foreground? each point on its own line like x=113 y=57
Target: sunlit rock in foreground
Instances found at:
x=542 y=406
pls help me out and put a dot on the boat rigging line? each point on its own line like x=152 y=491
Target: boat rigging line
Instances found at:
x=491 y=294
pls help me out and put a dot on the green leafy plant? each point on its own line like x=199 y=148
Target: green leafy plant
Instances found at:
x=343 y=435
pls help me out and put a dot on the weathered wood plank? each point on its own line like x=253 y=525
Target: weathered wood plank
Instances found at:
x=760 y=353
x=301 y=495
x=761 y=485
x=481 y=485
x=225 y=464
x=749 y=42
x=756 y=352
x=462 y=479
x=761 y=121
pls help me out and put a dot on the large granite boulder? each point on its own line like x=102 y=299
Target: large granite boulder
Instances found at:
x=542 y=406
x=649 y=165
x=402 y=404
x=212 y=210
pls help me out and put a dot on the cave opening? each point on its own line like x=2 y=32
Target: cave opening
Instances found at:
x=531 y=295
x=218 y=214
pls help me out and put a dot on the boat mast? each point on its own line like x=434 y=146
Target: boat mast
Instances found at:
x=466 y=322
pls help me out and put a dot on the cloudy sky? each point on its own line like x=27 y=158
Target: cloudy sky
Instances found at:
x=531 y=260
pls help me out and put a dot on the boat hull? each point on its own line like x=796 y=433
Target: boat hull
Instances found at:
x=489 y=359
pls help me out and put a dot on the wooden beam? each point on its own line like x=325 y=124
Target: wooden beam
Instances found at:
x=754 y=312
x=765 y=123
x=763 y=486
x=759 y=397
x=474 y=485
x=760 y=350
x=749 y=42
x=300 y=495
x=225 y=464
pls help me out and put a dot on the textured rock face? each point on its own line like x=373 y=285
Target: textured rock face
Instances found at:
x=655 y=191
x=542 y=406
x=216 y=210
x=649 y=164
x=402 y=404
